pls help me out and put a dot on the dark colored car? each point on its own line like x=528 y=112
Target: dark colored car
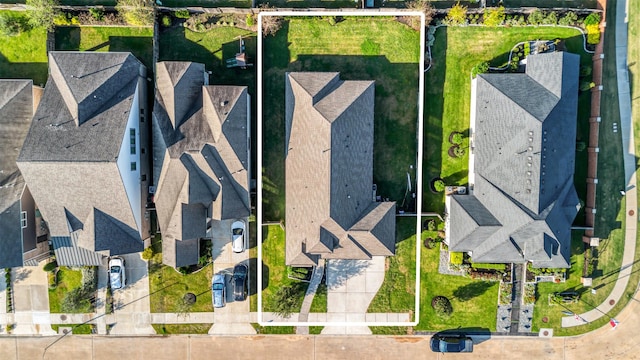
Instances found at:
x=453 y=342
x=240 y=282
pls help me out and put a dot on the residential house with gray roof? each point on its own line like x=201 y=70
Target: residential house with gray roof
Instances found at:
x=22 y=240
x=330 y=210
x=201 y=157
x=522 y=199
x=83 y=157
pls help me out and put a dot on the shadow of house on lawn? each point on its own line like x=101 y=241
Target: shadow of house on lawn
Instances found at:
x=22 y=70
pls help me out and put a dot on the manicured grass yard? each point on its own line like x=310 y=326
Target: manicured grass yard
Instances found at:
x=379 y=49
x=167 y=287
x=24 y=56
x=138 y=41
x=397 y=293
x=78 y=329
x=274 y=271
x=474 y=302
x=167 y=329
x=68 y=279
x=448 y=89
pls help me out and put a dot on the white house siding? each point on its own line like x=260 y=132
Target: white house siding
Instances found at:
x=131 y=179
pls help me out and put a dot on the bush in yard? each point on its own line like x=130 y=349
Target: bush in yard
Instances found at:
x=494 y=16
x=457 y=14
x=42 y=12
x=136 y=12
x=10 y=25
x=182 y=14
x=455 y=258
x=550 y=19
x=442 y=306
x=568 y=19
x=593 y=34
x=581 y=146
x=458 y=151
x=592 y=19
x=96 y=13
x=438 y=185
x=250 y=20
x=536 y=17
x=165 y=20
x=431 y=225
x=147 y=253
x=456 y=138
x=288 y=299
x=50 y=266
x=481 y=68
x=586 y=85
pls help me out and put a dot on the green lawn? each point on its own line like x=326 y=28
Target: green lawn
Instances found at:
x=274 y=329
x=397 y=293
x=274 y=270
x=138 y=41
x=24 y=56
x=474 y=302
x=78 y=329
x=319 y=303
x=167 y=329
x=167 y=287
x=208 y=3
x=379 y=49
x=68 y=279
x=448 y=89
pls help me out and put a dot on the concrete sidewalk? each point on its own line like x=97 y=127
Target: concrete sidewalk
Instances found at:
x=31 y=295
x=631 y=197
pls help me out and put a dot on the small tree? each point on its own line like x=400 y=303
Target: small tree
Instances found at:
x=494 y=16
x=481 y=68
x=592 y=19
x=42 y=12
x=136 y=12
x=288 y=299
x=442 y=306
x=550 y=19
x=423 y=6
x=458 y=151
x=569 y=18
x=438 y=185
x=456 y=138
x=457 y=14
x=536 y=17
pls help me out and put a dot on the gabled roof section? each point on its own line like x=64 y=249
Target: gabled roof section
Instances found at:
x=178 y=84
x=316 y=84
x=87 y=81
x=114 y=236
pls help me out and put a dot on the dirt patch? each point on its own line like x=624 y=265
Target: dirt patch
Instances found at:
x=407 y=339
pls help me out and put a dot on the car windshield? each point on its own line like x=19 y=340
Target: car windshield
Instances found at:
x=115 y=269
x=218 y=286
x=237 y=231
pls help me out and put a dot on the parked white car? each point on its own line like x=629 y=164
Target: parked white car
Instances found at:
x=237 y=236
x=117 y=276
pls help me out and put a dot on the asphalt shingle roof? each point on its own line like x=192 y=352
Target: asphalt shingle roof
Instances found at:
x=524 y=154
x=329 y=172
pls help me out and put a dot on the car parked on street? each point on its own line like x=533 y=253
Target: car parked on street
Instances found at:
x=240 y=282
x=218 y=290
x=237 y=236
x=117 y=276
x=451 y=342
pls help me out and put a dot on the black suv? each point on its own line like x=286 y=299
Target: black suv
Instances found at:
x=240 y=282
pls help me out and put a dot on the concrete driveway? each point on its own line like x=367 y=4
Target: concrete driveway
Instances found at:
x=131 y=303
x=31 y=300
x=234 y=317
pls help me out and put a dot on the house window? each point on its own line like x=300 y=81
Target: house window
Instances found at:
x=132 y=140
x=143 y=178
x=133 y=166
x=23 y=219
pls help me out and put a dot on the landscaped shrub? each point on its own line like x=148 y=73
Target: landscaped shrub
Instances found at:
x=458 y=151
x=423 y=6
x=494 y=16
x=431 y=225
x=586 y=85
x=527 y=49
x=66 y=19
x=457 y=14
x=481 y=68
x=592 y=19
x=569 y=18
x=485 y=275
x=581 y=146
x=593 y=34
x=182 y=14
x=550 y=19
x=10 y=25
x=50 y=266
x=505 y=293
x=136 y=12
x=250 y=20
x=438 y=185
x=442 y=306
x=456 y=138
x=536 y=17
x=529 y=295
x=455 y=258
x=147 y=253
x=585 y=70
x=96 y=13
x=42 y=13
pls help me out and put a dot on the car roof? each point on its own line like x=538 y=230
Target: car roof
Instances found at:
x=218 y=278
x=240 y=268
